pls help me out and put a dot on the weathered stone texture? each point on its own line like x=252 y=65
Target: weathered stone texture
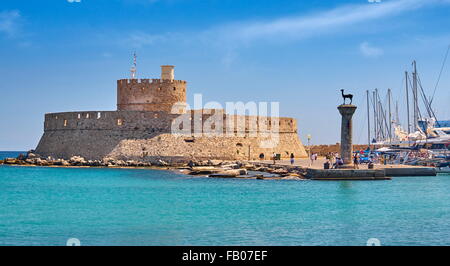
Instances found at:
x=147 y=136
x=150 y=94
x=347 y=112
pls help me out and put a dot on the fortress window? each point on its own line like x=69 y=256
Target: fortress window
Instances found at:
x=119 y=122
x=174 y=88
x=239 y=145
x=99 y=115
x=65 y=122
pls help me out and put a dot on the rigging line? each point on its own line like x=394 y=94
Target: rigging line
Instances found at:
x=419 y=114
x=440 y=74
x=424 y=97
x=428 y=106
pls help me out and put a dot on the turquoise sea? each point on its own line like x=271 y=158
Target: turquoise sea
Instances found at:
x=47 y=206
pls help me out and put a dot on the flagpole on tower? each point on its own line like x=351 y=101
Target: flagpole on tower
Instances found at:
x=134 y=67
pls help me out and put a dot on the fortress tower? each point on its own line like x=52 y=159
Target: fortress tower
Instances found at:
x=142 y=128
x=158 y=95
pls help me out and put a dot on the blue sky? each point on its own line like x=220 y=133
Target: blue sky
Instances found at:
x=61 y=56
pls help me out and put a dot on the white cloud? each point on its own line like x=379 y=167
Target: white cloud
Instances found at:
x=230 y=37
x=293 y=27
x=303 y=26
x=369 y=50
x=9 y=22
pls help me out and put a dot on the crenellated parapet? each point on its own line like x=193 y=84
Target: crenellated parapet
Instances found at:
x=162 y=122
x=127 y=82
x=152 y=94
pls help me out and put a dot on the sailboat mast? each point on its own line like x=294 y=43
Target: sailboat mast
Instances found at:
x=368 y=118
x=416 y=108
x=377 y=105
x=390 y=116
x=407 y=101
x=374 y=116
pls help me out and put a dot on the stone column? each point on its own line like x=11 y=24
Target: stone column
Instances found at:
x=347 y=112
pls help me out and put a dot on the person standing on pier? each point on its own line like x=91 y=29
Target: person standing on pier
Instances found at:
x=292 y=159
x=356 y=160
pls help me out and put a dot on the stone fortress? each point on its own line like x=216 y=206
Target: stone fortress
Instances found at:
x=142 y=129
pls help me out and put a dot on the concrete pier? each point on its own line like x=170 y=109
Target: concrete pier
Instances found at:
x=347 y=112
x=346 y=174
x=366 y=174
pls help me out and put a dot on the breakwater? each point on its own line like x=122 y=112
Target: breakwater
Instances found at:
x=234 y=169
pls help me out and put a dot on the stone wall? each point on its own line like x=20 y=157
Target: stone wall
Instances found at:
x=322 y=150
x=147 y=136
x=150 y=94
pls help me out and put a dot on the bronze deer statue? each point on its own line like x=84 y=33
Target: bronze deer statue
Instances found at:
x=345 y=96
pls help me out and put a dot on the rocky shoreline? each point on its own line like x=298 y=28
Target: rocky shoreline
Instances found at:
x=210 y=168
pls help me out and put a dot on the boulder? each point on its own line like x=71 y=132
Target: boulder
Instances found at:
x=132 y=163
x=280 y=171
x=162 y=163
x=31 y=155
x=249 y=166
x=226 y=174
x=77 y=160
x=242 y=171
x=231 y=166
x=10 y=161
x=215 y=162
x=107 y=161
x=42 y=162
x=30 y=161
x=120 y=163
x=204 y=170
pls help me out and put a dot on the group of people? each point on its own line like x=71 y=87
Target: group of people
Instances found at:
x=334 y=159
